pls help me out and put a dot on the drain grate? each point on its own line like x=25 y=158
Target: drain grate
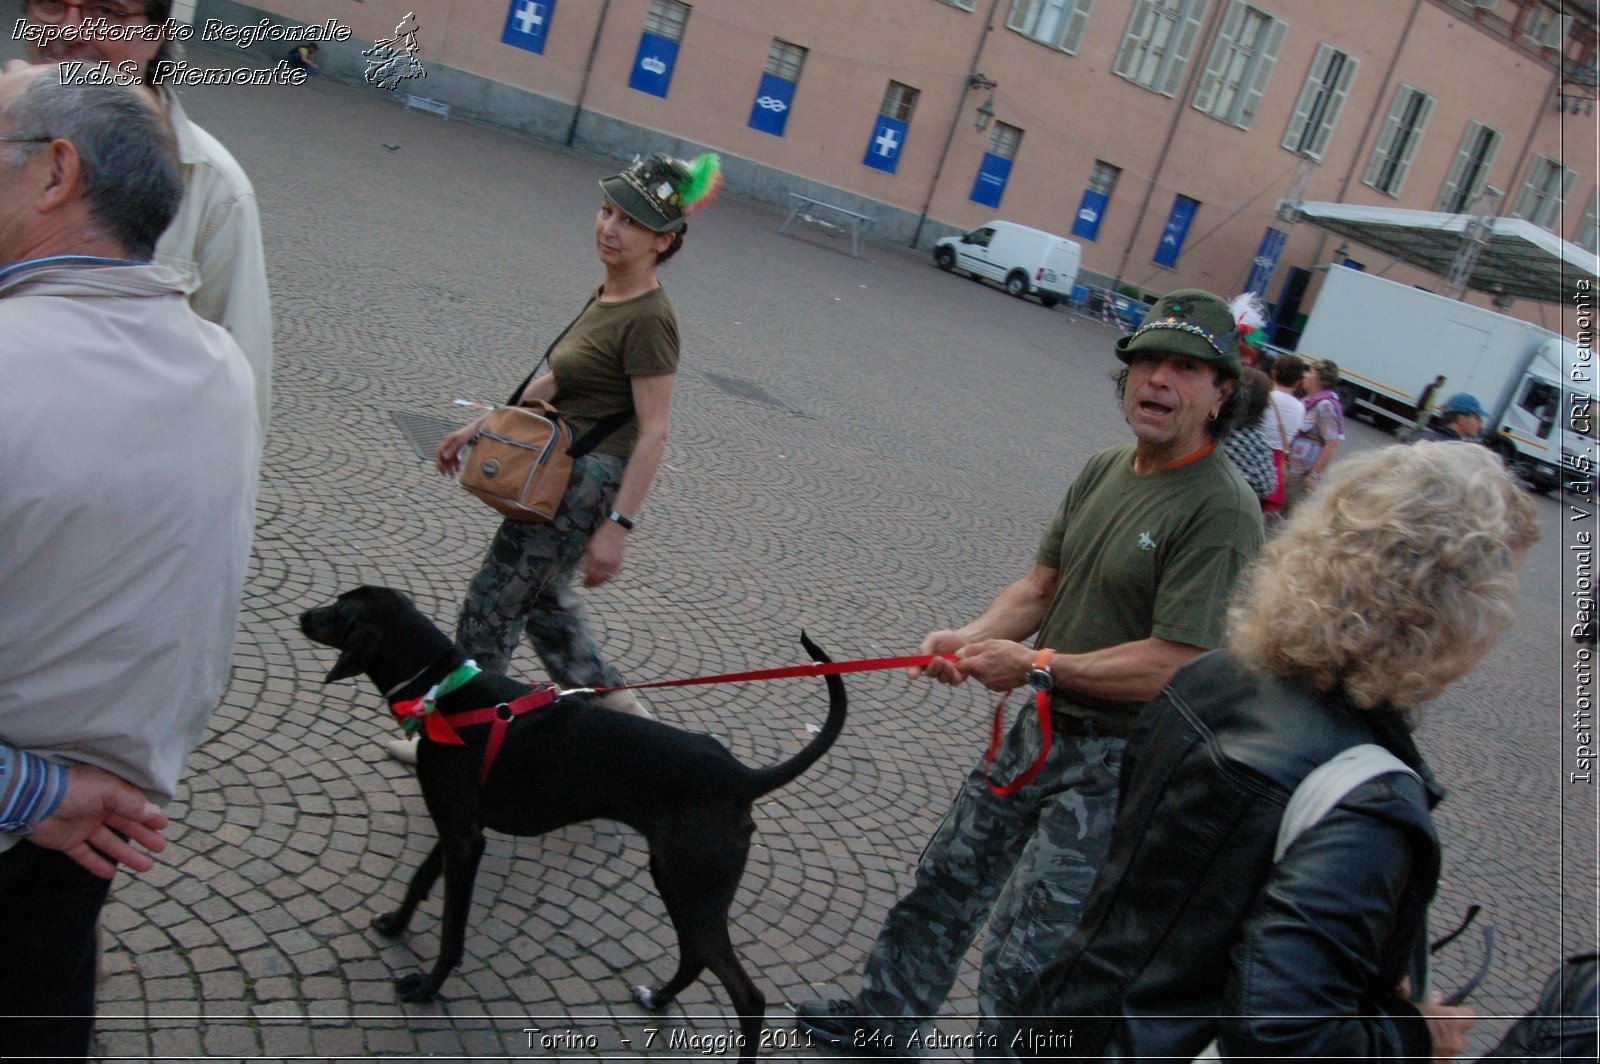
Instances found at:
x=424 y=432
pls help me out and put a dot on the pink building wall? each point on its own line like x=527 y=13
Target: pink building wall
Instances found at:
x=1071 y=107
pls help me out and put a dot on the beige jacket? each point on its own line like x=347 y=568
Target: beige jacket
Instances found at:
x=215 y=245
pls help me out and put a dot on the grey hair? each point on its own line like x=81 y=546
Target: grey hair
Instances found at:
x=126 y=150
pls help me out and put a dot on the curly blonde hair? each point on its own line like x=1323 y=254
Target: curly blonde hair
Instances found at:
x=1391 y=581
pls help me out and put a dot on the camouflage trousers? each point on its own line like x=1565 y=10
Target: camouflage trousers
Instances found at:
x=524 y=587
x=1024 y=862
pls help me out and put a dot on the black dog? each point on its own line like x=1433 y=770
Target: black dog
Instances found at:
x=570 y=761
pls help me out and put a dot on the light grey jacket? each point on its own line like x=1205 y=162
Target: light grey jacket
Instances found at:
x=129 y=451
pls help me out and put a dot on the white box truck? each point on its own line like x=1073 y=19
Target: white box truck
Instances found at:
x=1390 y=340
x=1026 y=261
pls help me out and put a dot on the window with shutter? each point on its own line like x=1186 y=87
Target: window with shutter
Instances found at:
x=667 y=19
x=1544 y=193
x=1058 y=23
x=1397 y=144
x=1470 y=170
x=1155 y=48
x=1321 y=100
x=1241 y=60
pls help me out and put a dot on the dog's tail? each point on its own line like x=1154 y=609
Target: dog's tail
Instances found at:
x=764 y=780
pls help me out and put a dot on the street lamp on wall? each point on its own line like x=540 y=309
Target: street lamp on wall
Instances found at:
x=985 y=115
x=986 y=108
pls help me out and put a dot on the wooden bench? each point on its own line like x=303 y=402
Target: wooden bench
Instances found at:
x=828 y=216
x=427 y=103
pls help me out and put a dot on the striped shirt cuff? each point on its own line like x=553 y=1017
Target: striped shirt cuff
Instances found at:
x=30 y=789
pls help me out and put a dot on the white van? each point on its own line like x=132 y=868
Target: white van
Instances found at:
x=1025 y=260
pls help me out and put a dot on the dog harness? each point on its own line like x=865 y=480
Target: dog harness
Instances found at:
x=421 y=714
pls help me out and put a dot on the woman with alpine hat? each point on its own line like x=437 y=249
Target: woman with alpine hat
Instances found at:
x=616 y=364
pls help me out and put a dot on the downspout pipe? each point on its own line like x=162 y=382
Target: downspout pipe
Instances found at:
x=1197 y=67
x=955 y=120
x=588 y=68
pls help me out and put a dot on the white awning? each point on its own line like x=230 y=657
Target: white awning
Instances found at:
x=1518 y=259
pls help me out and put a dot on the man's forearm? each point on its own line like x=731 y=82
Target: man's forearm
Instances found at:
x=1127 y=672
x=1017 y=611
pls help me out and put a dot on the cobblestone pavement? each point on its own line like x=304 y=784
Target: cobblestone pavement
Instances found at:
x=864 y=448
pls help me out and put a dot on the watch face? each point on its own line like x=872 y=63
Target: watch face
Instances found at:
x=1040 y=679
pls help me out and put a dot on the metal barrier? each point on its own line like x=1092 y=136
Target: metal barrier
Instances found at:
x=806 y=209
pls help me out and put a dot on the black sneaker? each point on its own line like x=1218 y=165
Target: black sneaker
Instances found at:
x=838 y=1023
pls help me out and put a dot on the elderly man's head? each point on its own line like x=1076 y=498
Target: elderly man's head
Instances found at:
x=119 y=46
x=82 y=167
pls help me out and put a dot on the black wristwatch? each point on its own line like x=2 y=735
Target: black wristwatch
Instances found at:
x=625 y=522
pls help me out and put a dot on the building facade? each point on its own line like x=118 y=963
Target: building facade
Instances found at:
x=1161 y=134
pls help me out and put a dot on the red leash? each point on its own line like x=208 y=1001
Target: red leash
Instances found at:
x=814 y=668
x=1041 y=701
x=834 y=668
x=441 y=727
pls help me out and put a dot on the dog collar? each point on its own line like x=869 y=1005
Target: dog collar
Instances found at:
x=416 y=714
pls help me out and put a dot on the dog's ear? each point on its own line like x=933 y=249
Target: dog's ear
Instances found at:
x=356 y=653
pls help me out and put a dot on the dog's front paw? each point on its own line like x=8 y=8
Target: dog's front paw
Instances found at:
x=389 y=925
x=416 y=987
x=646 y=998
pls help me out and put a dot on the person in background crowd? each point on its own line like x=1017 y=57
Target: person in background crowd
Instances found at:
x=303 y=56
x=1313 y=447
x=215 y=240
x=1285 y=412
x=1460 y=417
x=1419 y=413
x=1247 y=446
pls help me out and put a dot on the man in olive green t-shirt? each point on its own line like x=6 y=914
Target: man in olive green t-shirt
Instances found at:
x=1129 y=583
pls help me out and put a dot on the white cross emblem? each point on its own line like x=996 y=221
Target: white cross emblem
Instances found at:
x=886 y=142
x=529 y=15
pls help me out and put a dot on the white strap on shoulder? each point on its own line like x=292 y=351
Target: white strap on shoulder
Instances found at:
x=1324 y=788
x=1327 y=786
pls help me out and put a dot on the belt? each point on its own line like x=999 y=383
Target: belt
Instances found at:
x=1067 y=724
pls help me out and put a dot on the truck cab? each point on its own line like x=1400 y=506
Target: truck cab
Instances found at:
x=1547 y=431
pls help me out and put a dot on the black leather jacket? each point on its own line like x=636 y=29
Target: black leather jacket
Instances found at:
x=1193 y=933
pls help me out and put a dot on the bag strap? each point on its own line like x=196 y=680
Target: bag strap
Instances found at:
x=600 y=430
x=517 y=395
x=596 y=434
x=1328 y=784
x=1322 y=789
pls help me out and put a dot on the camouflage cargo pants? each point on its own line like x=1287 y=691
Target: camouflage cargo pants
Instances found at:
x=524 y=587
x=1025 y=862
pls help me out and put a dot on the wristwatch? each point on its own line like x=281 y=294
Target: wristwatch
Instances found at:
x=625 y=522
x=1040 y=678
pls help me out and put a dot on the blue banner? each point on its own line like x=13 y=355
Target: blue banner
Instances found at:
x=1176 y=229
x=1090 y=211
x=1265 y=264
x=883 y=150
x=652 y=67
x=990 y=183
x=771 y=108
x=527 y=24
